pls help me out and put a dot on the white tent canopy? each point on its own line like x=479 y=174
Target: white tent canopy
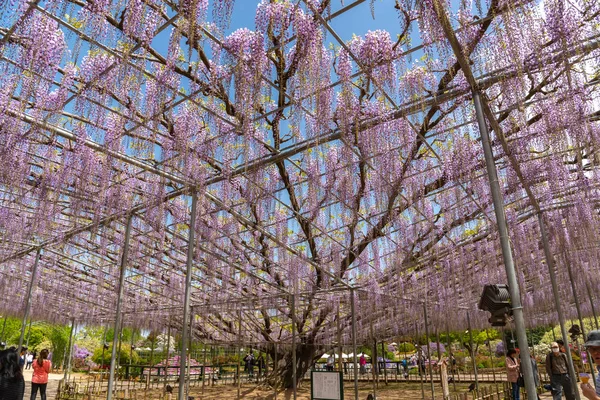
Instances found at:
x=359 y=355
x=344 y=356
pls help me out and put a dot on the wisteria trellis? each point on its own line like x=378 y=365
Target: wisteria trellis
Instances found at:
x=322 y=162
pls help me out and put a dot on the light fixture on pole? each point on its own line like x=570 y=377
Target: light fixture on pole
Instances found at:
x=496 y=300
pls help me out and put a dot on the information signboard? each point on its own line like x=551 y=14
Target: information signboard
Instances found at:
x=326 y=385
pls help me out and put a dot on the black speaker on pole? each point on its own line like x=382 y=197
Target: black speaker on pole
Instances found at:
x=496 y=300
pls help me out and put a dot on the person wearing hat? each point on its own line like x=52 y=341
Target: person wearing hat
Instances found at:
x=592 y=345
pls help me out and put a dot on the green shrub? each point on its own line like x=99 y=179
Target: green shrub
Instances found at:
x=123 y=356
x=406 y=347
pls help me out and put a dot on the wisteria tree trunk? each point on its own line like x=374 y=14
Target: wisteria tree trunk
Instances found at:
x=282 y=375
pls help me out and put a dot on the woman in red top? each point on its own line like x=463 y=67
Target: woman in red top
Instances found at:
x=41 y=368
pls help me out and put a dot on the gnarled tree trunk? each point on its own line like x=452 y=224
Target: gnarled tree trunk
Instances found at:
x=282 y=375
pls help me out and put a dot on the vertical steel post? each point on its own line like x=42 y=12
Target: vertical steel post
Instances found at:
x=428 y=351
x=509 y=266
x=497 y=197
x=275 y=366
x=557 y=305
x=579 y=315
x=111 y=376
x=355 y=368
x=28 y=333
x=339 y=339
x=187 y=296
x=589 y=293
x=204 y=369
x=3 y=329
x=294 y=361
x=153 y=344
x=473 y=353
x=189 y=361
x=452 y=366
x=419 y=355
x=69 y=351
x=374 y=366
x=239 y=346
x=384 y=364
x=131 y=345
x=492 y=358
x=120 y=344
x=28 y=299
x=103 y=346
x=167 y=352
x=439 y=352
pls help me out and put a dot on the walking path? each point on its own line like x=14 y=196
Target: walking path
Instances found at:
x=55 y=378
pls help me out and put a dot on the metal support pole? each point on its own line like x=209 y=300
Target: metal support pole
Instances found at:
x=561 y=317
x=69 y=351
x=120 y=344
x=437 y=342
x=187 y=295
x=204 y=370
x=189 y=361
x=428 y=351
x=28 y=299
x=103 y=345
x=167 y=352
x=374 y=368
x=111 y=376
x=339 y=340
x=473 y=353
x=239 y=346
x=419 y=355
x=275 y=366
x=589 y=293
x=384 y=364
x=3 y=329
x=579 y=315
x=294 y=372
x=492 y=358
x=355 y=368
x=513 y=284
x=131 y=345
x=28 y=333
x=153 y=344
x=452 y=365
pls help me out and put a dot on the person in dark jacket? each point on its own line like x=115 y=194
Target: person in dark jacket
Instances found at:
x=12 y=383
x=557 y=367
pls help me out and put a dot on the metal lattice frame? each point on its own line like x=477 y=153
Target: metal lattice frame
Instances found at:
x=78 y=258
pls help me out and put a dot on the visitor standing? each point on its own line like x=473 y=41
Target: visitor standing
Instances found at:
x=363 y=364
x=558 y=370
x=22 y=358
x=41 y=369
x=405 y=367
x=592 y=345
x=250 y=364
x=422 y=370
x=330 y=362
x=29 y=360
x=12 y=383
x=512 y=373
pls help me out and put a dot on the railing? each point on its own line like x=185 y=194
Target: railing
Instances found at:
x=137 y=379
